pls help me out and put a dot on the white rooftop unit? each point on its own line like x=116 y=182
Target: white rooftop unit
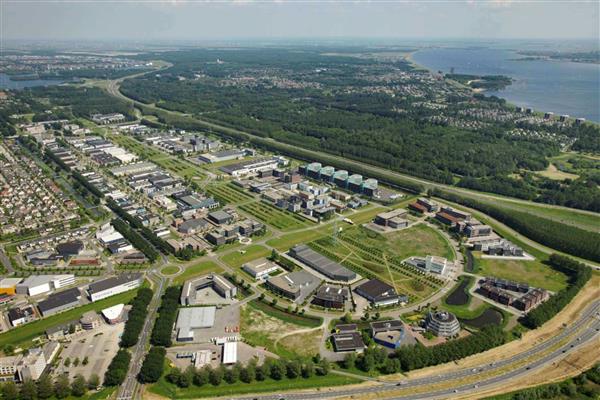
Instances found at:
x=229 y=352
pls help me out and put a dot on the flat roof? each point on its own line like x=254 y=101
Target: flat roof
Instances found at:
x=321 y=263
x=191 y=318
x=109 y=283
x=259 y=265
x=384 y=326
x=229 y=352
x=348 y=341
x=59 y=299
x=113 y=312
x=392 y=214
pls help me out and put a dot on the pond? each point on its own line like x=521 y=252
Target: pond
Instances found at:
x=491 y=316
x=459 y=296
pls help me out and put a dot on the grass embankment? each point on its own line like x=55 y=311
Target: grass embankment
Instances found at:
x=249 y=253
x=165 y=389
x=201 y=268
x=23 y=334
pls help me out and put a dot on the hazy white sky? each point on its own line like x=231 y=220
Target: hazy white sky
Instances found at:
x=208 y=20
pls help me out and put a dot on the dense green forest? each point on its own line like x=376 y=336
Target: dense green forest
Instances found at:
x=341 y=104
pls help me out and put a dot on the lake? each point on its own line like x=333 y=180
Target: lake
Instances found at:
x=7 y=83
x=559 y=86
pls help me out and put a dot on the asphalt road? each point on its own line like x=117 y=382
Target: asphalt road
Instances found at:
x=580 y=332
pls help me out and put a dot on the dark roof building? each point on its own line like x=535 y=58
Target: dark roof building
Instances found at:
x=379 y=293
x=294 y=285
x=59 y=301
x=348 y=341
x=322 y=264
x=388 y=333
x=330 y=297
x=220 y=217
x=71 y=248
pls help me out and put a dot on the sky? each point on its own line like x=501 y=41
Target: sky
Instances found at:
x=141 y=20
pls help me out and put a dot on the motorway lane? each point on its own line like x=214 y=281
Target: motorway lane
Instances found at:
x=584 y=330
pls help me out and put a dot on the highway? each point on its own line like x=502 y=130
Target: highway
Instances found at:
x=583 y=331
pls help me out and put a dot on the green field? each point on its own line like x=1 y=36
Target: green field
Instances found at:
x=279 y=219
x=197 y=269
x=310 y=322
x=169 y=270
x=25 y=333
x=171 y=163
x=165 y=389
x=375 y=255
x=228 y=193
x=533 y=272
x=252 y=252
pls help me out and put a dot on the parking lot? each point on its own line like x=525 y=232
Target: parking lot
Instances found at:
x=99 y=346
x=227 y=323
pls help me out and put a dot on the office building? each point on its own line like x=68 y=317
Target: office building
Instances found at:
x=442 y=323
x=322 y=264
x=115 y=285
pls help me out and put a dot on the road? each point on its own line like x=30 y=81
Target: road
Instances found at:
x=129 y=387
x=585 y=330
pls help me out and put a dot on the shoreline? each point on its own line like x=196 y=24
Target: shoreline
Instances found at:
x=409 y=58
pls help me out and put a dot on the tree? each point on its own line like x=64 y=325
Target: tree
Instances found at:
x=232 y=374
x=10 y=391
x=277 y=370
x=324 y=366
x=153 y=365
x=248 y=374
x=260 y=373
x=201 y=376
x=79 y=386
x=62 y=388
x=293 y=369
x=67 y=362
x=93 y=382
x=173 y=376
x=308 y=369
x=216 y=376
x=28 y=390
x=349 y=360
x=85 y=361
x=45 y=389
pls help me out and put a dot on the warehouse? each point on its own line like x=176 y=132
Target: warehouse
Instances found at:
x=260 y=269
x=229 y=353
x=115 y=285
x=39 y=284
x=193 y=318
x=58 y=302
x=322 y=264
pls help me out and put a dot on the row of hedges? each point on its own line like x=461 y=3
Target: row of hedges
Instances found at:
x=566 y=238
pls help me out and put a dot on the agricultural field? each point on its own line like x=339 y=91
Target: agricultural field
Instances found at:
x=374 y=255
x=228 y=193
x=533 y=272
x=279 y=219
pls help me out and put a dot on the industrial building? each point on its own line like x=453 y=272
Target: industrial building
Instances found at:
x=229 y=353
x=294 y=285
x=216 y=282
x=193 y=318
x=60 y=301
x=348 y=341
x=260 y=268
x=380 y=293
x=388 y=333
x=442 y=323
x=20 y=315
x=322 y=264
x=329 y=296
x=35 y=285
x=9 y=285
x=251 y=166
x=392 y=219
x=115 y=285
x=114 y=314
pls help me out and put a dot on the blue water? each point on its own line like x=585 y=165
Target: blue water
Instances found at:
x=558 y=86
x=7 y=83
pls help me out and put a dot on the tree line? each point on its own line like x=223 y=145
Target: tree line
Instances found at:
x=46 y=388
x=566 y=238
x=117 y=369
x=578 y=274
x=252 y=372
x=153 y=365
x=135 y=238
x=136 y=317
x=167 y=313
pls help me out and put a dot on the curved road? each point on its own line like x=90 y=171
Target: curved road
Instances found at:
x=583 y=331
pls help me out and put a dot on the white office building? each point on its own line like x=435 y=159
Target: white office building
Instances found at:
x=111 y=286
x=39 y=284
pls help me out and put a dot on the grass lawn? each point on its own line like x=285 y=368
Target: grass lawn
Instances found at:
x=280 y=219
x=228 y=193
x=533 y=272
x=252 y=252
x=197 y=269
x=419 y=240
x=163 y=388
x=25 y=333
x=169 y=270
